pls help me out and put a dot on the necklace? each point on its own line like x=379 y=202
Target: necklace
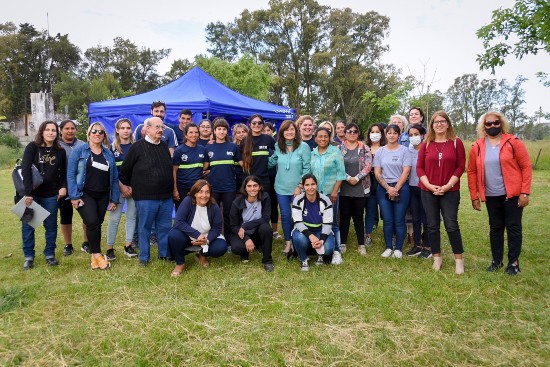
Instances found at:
x=440 y=152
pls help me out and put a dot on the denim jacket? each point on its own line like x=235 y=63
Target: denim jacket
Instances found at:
x=76 y=172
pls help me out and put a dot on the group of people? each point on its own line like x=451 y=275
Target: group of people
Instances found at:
x=227 y=193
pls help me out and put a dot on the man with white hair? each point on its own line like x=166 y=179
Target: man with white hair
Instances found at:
x=146 y=175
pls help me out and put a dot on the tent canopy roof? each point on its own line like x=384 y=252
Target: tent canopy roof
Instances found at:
x=195 y=90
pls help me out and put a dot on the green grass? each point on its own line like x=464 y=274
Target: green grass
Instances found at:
x=367 y=312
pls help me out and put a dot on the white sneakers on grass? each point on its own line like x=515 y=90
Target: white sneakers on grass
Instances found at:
x=387 y=253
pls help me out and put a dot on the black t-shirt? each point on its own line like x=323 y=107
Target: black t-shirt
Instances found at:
x=97 y=179
x=262 y=147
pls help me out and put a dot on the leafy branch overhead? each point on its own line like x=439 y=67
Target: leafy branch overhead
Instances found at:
x=519 y=31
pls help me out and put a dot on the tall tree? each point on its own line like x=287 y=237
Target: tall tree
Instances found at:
x=528 y=21
x=31 y=61
x=133 y=67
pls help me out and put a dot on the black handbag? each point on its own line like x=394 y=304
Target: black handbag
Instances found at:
x=17 y=177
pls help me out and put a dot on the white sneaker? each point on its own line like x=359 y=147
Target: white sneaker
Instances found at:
x=337 y=258
x=362 y=249
x=398 y=254
x=387 y=253
x=343 y=248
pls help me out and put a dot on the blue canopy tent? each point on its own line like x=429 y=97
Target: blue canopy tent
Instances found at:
x=195 y=90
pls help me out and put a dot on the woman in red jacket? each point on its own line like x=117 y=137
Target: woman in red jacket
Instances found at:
x=499 y=173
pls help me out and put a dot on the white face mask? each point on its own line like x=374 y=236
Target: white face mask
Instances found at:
x=375 y=137
x=415 y=140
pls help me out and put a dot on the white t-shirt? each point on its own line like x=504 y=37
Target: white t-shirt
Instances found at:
x=200 y=221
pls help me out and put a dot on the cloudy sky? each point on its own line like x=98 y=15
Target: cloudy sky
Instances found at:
x=438 y=35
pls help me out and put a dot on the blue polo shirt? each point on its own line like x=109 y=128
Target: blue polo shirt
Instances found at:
x=222 y=158
x=189 y=161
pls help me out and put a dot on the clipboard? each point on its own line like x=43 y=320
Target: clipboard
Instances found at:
x=39 y=212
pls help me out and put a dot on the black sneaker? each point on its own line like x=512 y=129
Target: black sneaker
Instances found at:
x=415 y=251
x=153 y=240
x=320 y=260
x=52 y=261
x=85 y=247
x=130 y=251
x=425 y=254
x=68 y=249
x=110 y=255
x=304 y=265
x=494 y=266
x=512 y=269
x=28 y=264
x=269 y=267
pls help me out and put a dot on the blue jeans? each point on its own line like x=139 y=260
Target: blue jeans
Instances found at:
x=114 y=220
x=50 y=226
x=179 y=242
x=285 y=203
x=158 y=213
x=393 y=214
x=301 y=243
x=419 y=219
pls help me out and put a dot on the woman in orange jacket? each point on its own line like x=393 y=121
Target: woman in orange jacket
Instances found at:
x=500 y=173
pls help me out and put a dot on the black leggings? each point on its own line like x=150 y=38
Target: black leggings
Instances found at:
x=92 y=214
x=352 y=207
x=225 y=200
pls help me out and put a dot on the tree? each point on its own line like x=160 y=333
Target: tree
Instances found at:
x=323 y=60
x=76 y=92
x=527 y=20
x=31 y=61
x=513 y=101
x=177 y=69
x=287 y=36
x=133 y=67
x=246 y=76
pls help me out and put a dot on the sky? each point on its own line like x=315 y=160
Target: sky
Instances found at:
x=432 y=40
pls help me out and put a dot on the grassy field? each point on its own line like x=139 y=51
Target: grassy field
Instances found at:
x=368 y=312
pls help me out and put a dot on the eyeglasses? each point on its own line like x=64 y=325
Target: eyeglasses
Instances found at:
x=256 y=123
x=353 y=132
x=492 y=123
x=440 y=122
x=94 y=131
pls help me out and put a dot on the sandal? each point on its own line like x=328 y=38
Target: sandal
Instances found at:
x=176 y=273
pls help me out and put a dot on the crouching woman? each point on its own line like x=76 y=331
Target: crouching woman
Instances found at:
x=197 y=226
x=249 y=218
x=313 y=216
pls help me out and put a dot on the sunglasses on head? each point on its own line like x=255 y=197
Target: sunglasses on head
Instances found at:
x=94 y=131
x=492 y=123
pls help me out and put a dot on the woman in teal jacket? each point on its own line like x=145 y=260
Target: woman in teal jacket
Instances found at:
x=293 y=160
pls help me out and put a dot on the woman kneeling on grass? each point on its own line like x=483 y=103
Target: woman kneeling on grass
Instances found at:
x=197 y=226
x=249 y=219
x=313 y=216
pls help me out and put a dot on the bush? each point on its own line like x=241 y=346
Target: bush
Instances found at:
x=8 y=139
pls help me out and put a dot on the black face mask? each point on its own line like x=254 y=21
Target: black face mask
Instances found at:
x=493 y=130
